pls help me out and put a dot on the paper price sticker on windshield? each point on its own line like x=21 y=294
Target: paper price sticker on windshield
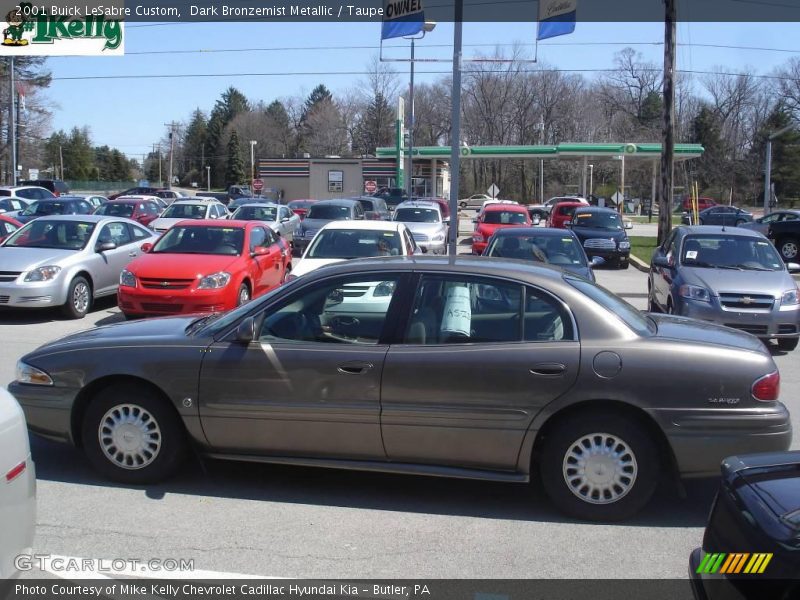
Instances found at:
x=691 y=254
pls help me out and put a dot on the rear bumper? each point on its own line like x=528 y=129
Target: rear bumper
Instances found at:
x=701 y=439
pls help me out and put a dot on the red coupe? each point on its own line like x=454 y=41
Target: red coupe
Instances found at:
x=143 y=209
x=562 y=212
x=204 y=266
x=494 y=217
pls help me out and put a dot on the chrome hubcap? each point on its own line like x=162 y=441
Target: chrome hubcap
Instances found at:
x=80 y=297
x=599 y=468
x=244 y=295
x=129 y=436
x=789 y=250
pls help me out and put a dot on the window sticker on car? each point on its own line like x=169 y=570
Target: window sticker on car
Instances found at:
x=691 y=254
x=585 y=216
x=566 y=239
x=457 y=311
x=763 y=243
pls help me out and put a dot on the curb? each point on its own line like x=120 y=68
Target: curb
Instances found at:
x=639 y=263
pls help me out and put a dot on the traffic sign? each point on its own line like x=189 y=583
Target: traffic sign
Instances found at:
x=370 y=186
x=493 y=191
x=258 y=185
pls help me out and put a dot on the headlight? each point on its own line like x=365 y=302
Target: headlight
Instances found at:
x=694 y=292
x=215 y=281
x=43 y=273
x=127 y=279
x=385 y=288
x=439 y=237
x=790 y=298
x=32 y=375
x=625 y=245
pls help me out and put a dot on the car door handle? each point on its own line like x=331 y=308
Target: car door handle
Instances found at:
x=132 y=254
x=548 y=369
x=354 y=368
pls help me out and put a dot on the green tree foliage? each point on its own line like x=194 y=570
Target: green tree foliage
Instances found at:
x=230 y=104
x=785 y=152
x=195 y=140
x=234 y=171
x=319 y=99
x=279 y=124
x=707 y=130
x=377 y=126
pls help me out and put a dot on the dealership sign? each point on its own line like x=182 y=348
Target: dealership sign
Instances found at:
x=30 y=31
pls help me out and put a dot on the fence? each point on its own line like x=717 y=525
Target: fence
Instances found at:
x=100 y=187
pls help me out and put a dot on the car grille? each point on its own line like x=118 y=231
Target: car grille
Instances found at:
x=737 y=301
x=4 y=299
x=420 y=237
x=9 y=275
x=600 y=244
x=166 y=284
x=754 y=329
x=161 y=308
x=781 y=328
x=354 y=291
x=35 y=299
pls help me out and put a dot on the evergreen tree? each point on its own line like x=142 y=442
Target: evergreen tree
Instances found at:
x=280 y=129
x=785 y=153
x=319 y=99
x=234 y=171
x=194 y=143
x=707 y=131
x=79 y=155
x=231 y=103
x=377 y=126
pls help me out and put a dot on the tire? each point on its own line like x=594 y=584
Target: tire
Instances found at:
x=463 y=204
x=788 y=344
x=79 y=299
x=740 y=222
x=624 y=265
x=243 y=295
x=636 y=465
x=156 y=458
x=652 y=306
x=788 y=248
x=286 y=272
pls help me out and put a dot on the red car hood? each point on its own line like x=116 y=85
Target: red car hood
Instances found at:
x=180 y=266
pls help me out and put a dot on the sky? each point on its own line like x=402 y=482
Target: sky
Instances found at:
x=130 y=114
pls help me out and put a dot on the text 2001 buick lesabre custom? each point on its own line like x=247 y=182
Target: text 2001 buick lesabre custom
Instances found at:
x=464 y=367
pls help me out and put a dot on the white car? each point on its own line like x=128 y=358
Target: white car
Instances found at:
x=17 y=484
x=424 y=220
x=474 y=201
x=342 y=240
x=181 y=210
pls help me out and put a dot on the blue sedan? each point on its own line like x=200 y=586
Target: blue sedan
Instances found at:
x=720 y=215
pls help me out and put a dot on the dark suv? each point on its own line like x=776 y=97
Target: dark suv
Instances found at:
x=57 y=186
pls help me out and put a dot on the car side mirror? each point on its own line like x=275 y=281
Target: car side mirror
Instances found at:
x=628 y=225
x=259 y=251
x=793 y=267
x=596 y=261
x=146 y=247
x=106 y=246
x=246 y=331
x=662 y=261
x=285 y=219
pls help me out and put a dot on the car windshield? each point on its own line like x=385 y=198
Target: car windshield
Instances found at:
x=329 y=212
x=45 y=208
x=417 y=215
x=551 y=249
x=201 y=240
x=300 y=204
x=46 y=233
x=729 y=251
x=256 y=213
x=354 y=243
x=367 y=204
x=116 y=210
x=633 y=318
x=504 y=217
x=597 y=220
x=185 y=211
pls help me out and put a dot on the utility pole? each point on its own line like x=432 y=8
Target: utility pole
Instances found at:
x=768 y=168
x=61 y=159
x=667 y=144
x=208 y=170
x=172 y=127
x=455 y=127
x=13 y=132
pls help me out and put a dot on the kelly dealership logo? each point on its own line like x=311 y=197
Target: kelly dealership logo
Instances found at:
x=30 y=30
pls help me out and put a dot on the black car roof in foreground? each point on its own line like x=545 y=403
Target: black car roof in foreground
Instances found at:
x=728 y=229
x=596 y=209
x=538 y=231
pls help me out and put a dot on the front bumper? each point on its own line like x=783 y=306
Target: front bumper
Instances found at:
x=701 y=438
x=612 y=256
x=774 y=323
x=33 y=295
x=48 y=409
x=433 y=247
x=135 y=301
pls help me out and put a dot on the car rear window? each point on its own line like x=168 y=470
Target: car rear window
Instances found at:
x=629 y=315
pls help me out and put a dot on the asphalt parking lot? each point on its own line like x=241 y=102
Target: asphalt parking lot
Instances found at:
x=299 y=522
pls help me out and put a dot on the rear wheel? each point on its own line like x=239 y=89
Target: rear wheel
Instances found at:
x=463 y=205
x=599 y=467
x=131 y=434
x=788 y=247
x=787 y=344
x=79 y=299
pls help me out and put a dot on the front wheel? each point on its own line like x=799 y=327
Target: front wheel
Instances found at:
x=79 y=299
x=132 y=435
x=599 y=467
x=788 y=247
x=243 y=296
x=787 y=344
x=740 y=222
x=463 y=205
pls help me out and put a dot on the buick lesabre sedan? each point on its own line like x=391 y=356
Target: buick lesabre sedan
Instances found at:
x=464 y=367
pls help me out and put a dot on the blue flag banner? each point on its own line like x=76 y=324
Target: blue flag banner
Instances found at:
x=556 y=17
x=402 y=18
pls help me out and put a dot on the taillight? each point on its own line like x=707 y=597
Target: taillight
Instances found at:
x=16 y=472
x=767 y=388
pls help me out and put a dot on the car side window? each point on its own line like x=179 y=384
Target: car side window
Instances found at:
x=464 y=310
x=257 y=238
x=546 y=320
x=335 y=312
x=270 y=237
x=115 y=232
x=83 y=208
x=138 y=233
x=669 y=241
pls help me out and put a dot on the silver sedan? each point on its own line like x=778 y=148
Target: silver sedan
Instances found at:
x=68 y=261
x=279 y=217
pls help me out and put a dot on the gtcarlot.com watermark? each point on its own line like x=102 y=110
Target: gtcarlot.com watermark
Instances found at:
x=65 y=564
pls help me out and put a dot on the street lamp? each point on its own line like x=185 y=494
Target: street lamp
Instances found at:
x=208 y=170
x=252 y=159
x=426 y=28
x=768 y=168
